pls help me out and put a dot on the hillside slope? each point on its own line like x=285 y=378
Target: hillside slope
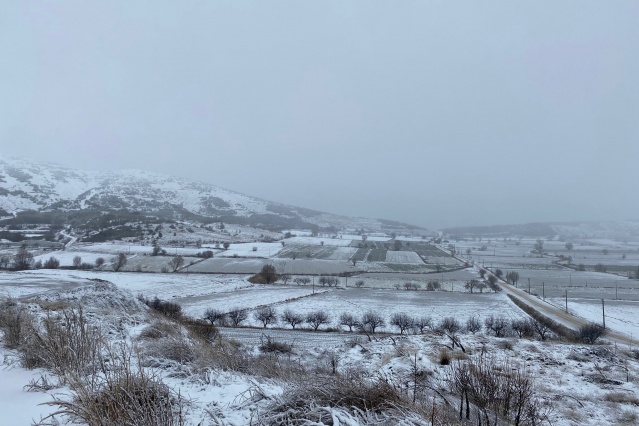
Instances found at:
x=39 y=187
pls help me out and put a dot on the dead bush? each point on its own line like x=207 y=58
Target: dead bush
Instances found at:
x=14 y=322
x=123 y=394
x=200 y=329
x=64 y=343
x=622 y=398
x=269 y=345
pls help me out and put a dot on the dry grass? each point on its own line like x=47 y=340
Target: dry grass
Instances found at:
x=63 y=343
x=122 y=394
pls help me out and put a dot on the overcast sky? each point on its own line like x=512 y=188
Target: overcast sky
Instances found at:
x=436 y=113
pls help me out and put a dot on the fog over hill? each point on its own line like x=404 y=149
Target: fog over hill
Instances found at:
x=41 y=187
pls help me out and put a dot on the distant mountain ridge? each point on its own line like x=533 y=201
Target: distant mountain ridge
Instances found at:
x=41 y=187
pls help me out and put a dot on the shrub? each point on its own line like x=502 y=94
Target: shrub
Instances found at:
x=590 y=333
x=168 y=309
x=123 y=395
x=52 y=263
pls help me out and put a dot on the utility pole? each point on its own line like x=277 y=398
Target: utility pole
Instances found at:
x=528 y=285
x=603 y=312
x=616 y=291
x=566 y=300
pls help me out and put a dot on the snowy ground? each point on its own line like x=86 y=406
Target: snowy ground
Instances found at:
x=586 y=385
x=621 y=316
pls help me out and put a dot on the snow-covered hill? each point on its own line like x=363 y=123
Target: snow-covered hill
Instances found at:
x=26 y=185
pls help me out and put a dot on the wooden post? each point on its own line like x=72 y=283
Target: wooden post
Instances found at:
x=543 y=289
x=566 y=300
x=603 y=312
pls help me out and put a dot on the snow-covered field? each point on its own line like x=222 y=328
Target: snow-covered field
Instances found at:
x=568 y=376
x=252 y=250
x=621 y=316
x=403 y=257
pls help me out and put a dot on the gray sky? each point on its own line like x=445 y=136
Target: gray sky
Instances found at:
x=437 y=113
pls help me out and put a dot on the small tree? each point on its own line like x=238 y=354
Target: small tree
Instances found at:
x=266 y=316
x=371 y=321
x=317 y=318
x=569 y=246
x=499 y=273
x=285 y=278
x=77 y=261
x=512 y=277
x=118 y=262
x=226 y=245
x=176 y=263
x=590 y=333
x=481 y=286
x=473 y=325
x=269 y=273
x=451 y=327
x=302 y=280
x=433 y=285
x=470 y=285
x=348 y=320
x=539 y=246
x=523 y=327
x=360 y=283
x=4 y=261
x=215 y=316
x=542 y=328
x=52 y=263
x=23 y=259
x=99 y=262
x=237 y=316
x=402 y=321
x=498 y=325
x=292 y=318
x=482 y=272
x=422 y=323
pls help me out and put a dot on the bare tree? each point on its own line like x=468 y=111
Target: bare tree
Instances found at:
x=302 y=280
x=422 y=323
x=99 y=262
x=481 y=286
x=317 y=318
x=269 y=273
x=499 y=273
x=77 y=261
x=285 y=278
x=451 y=327
x=371 y=321
x=176 y=263
x=590 y=333
x=266 y=315
x=402 y=321
x=348 y=320
x=512 y=277
x=292 y=318
x=498 y=325
x=23 y=259
x=4 y=261
x=539 y=246
x=470 y=285
x=237 y=316
x=523 y=327
x=226 y=245
x=118 y=262
x=473 y=325
x=482 y=272
x=52 y=263
x=542 y=328
x=360 y=283
x=215 y=316
x=569 y=246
